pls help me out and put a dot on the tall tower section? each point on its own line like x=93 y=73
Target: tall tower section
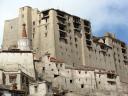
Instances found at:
x=25 y=17
x=10 y=34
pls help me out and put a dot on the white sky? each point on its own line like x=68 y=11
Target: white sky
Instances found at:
x=99 y=12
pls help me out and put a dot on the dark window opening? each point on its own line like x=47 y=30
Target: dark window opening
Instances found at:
x=111 y=82
x=43 y=68
x=82 y=85
x=76 y=45
x=76 y=25
x=61 y=65
x=61 y=27
x=46 y=20
x=87 y=23
x=55 y=76
x=76 y=30
x=88 y=37
x=70 y=81
x=11 y=27
x=4 y=78
x=102 y=47
x=87 y=30
x=123 y=50
x=62 y=34
x=33 y=22
x=23 y=79
x=60 y=13
x=45 y=27
x=76 y=20
x=39 y=21
x=45 y=13
x=125 y=57
x=36 y=88
x=61 y=20
x=12 y=78
x=76 y=39
x=123 y=45
x=45 y=34
x=111 y=76
x=88 y=42
x=73 y=64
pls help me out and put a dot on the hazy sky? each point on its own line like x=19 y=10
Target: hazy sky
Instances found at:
x=105 y=15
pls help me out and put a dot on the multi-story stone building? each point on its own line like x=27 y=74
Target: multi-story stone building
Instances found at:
x=68 y=39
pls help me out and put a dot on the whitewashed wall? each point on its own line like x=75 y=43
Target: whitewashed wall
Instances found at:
x=14 y=61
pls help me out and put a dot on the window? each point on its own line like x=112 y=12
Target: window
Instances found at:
x=46 y=20
x=23 y=79
x=111 y=82
x=45 y=13
x=43 y=68
x=39 y=21
x=45 y=34
x=4 y=78
x=33 y=22
x=60 y=65
x=76 y=45
x=75 y=39
x=73 y=64
x=46 y=27
x=55 y=76
x=36 y=88
x=82 y=85
x=111 y=76
x=12 y=78
x=70 y=81
x=11 y=27
x=79 y=72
